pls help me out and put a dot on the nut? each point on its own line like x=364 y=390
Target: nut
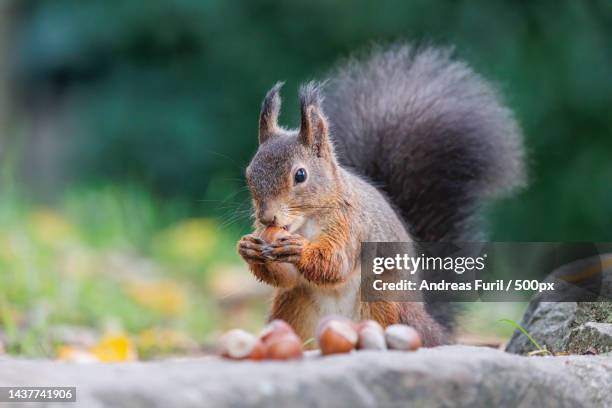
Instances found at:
x=238 y=344
x=283 y=346
x=402 y=337
x=274 y=328
x=336 y=336
x=272 y=233
x=326 y=319
x=371 y=336
x=280 y=341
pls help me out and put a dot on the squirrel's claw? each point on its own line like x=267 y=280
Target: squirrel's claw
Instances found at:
x=252 y=238
x=294 y=239
x=287 y=249
x=267 y=253
x=250 y=248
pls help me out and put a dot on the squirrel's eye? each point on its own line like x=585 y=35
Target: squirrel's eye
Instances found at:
x=300 y=176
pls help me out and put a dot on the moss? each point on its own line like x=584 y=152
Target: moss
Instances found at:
x=593 y=312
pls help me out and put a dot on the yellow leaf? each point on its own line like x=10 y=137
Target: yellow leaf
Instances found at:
x=114 y=348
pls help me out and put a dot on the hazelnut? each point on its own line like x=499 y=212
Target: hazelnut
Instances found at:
x=371 y=336
x=336 y=336
x=286 y=274
x=283 y=346
x=326 y=319
x=238 y=344
x=274 y=328
x=259 y=351
x=402 y=337
x=271 y=234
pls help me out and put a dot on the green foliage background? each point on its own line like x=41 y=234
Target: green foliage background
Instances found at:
x=165 y=94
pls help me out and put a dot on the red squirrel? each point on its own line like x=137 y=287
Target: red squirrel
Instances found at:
x=401 y=145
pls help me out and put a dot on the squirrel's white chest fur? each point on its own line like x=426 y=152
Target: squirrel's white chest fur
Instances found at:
x=342 y=301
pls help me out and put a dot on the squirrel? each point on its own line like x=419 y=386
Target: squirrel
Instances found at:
x=403 y=144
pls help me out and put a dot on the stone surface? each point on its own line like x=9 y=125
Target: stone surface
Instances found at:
x=448 y=376
x=557 y=324
x=596 y=336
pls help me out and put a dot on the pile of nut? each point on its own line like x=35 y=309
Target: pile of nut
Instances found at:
x=334 y=335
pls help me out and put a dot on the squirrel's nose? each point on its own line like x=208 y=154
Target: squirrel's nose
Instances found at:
x=267 y=219
x=267 y=213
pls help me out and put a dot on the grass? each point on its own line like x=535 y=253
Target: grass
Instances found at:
x=518 y=326
x=540 y=350
x=113 y=260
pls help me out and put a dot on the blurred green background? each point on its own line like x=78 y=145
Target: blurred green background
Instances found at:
x=125 y=127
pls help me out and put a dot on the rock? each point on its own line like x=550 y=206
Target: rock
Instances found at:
x=595 y=337
x=557 y=325
x=548 y=323
x=458 y=376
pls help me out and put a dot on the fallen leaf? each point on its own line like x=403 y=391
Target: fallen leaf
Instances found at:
x=114 y=348
x=76 y=355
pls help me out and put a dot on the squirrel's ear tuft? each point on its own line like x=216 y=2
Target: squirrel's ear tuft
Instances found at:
x=270 y=108
x=314 y=129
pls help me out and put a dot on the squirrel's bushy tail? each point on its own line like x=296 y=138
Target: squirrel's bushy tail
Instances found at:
x=430 y=132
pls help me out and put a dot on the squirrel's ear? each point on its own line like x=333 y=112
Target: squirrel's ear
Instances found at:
x=314 y=129
x=270 y=108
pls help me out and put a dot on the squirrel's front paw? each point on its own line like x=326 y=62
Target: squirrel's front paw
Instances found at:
x=251 y=249
x=287 y=249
